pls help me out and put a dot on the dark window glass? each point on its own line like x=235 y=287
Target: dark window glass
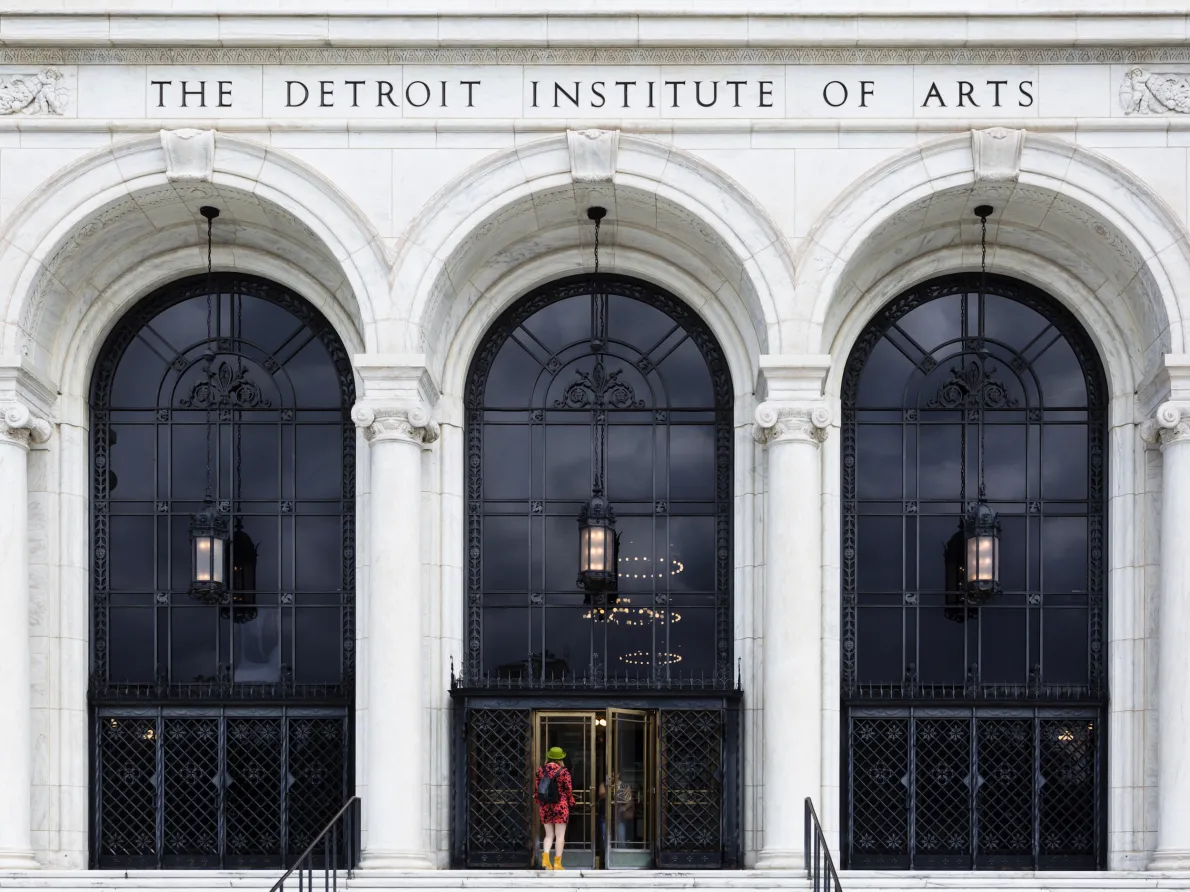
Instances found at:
x=951 y=400
x=263 y=426
x=664 y=401
x=992 y=397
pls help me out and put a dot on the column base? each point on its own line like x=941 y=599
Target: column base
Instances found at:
x=781 y=859
x=392 y=860
x=1170 y=859
x=17 y=860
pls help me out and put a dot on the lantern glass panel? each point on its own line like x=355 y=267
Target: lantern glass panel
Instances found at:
x=594 y=554
x=983 y=558
x=208 y=559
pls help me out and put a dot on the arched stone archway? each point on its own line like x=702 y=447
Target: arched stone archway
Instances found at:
x=518 y=221
x=1067 y=219
x=671 y=217
x=100 y=219
x=1098 y=240
x=79 y=252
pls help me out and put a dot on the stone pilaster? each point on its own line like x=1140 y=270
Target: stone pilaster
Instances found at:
x=19 y=428
x=1169 y=429
x=395 y=418
x=792 y=636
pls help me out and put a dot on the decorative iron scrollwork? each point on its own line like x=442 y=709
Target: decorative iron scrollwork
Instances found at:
x=973 y=386
x=599 y=389
x=222 y=386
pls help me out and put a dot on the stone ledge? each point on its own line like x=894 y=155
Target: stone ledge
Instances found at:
x=410 y=881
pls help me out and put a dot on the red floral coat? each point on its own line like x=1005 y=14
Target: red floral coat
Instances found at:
x=557 y=812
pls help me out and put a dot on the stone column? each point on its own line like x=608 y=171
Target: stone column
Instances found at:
x=394 y=747
x=1170 y=430
x=792 y=632
x=18 y=429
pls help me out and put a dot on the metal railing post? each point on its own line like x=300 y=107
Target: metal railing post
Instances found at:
x=348 y=815
x=820 y=867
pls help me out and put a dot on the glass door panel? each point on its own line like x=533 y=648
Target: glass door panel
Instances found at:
x=574 y=732
x=630 y=788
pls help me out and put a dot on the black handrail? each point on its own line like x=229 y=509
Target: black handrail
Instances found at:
x=820 y=867
x=334 y=845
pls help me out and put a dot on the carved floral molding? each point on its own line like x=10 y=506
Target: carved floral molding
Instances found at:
x=1145 y=92
x=40 y=93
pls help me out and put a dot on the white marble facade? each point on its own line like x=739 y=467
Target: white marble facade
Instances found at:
x=413 y=168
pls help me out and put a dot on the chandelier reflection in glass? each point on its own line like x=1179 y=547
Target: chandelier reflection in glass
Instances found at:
x=639 y=567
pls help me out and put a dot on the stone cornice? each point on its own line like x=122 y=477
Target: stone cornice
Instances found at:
x=410 y=423
x=102 y=50
x=790 y=422
x=1169 y=424
x=22 y=427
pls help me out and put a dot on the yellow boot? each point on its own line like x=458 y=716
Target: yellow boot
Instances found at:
x=545 y=861
x=558 y=863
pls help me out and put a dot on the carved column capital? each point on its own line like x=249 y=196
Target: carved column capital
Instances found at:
x=785 y=422
x=23 y=427
x=410 y=423
x=1169 y=424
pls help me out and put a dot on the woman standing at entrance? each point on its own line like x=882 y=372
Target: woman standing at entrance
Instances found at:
x=553 y=791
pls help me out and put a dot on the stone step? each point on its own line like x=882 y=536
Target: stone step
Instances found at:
x=593 y=881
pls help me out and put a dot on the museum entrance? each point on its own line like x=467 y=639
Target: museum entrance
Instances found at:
x=597 y=577
x=611 y=754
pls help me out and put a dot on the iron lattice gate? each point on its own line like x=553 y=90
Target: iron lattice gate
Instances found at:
x=214 y=788
x=699 y=802
x=692 y=773
x=936 y=788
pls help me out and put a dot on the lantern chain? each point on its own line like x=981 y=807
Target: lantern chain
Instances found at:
x=210 y=213
x=984 y=211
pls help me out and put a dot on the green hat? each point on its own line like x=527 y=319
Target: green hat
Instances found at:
x=555 y=754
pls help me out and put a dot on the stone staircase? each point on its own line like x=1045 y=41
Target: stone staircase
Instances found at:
x=594 y=881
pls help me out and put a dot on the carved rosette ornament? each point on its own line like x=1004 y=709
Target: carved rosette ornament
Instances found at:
x=784 y=422
x=409 y=423
x=1169 y=424
x=22 y=427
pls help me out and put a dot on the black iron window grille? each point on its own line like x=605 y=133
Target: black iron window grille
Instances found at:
x=638 y=367
x=934 y=788
x=264 y=399
x=214 y=788
x=949 y=392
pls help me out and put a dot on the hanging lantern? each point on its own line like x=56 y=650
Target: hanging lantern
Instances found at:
x=209 y=532
x=209 y=536
x=981 y=528
x=598 y=547
x=598 y=542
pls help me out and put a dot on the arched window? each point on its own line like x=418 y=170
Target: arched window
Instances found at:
x=974 y=712
x=221 y=713
x=558 y=366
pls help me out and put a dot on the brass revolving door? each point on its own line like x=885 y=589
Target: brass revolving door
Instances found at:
x=612 y=758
